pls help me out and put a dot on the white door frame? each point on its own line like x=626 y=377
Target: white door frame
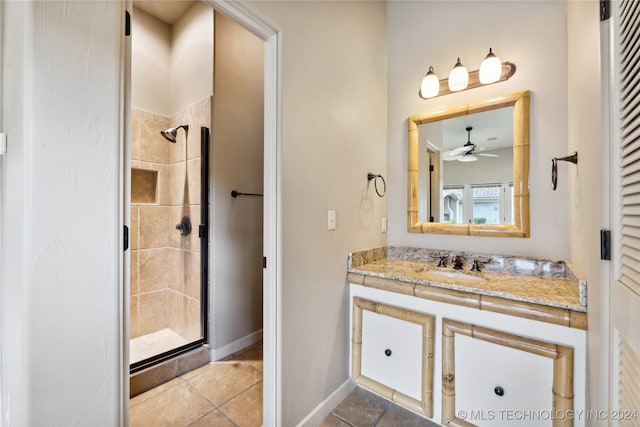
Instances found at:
x=272 y=242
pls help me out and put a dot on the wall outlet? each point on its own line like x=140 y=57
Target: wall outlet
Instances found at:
x=384 y=224
x=331 y=220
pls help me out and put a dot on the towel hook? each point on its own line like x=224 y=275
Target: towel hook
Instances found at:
x=375 y=177
x=572 y=158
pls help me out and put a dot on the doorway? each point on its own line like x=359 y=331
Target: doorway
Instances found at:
x=270 y=202
x=170 y=122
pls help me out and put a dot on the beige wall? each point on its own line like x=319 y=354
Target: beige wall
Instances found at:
x=236 y=164
x=589 y=200
x=150 y=62
x=333 y=132
x=531 y=34
x=191 y=62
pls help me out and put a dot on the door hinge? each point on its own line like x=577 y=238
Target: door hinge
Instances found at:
x=202 y=231
x=264 y=262
x=605 y=10
x=605 y=245
x=431 y=168
x=126 y=238
x=127 y=23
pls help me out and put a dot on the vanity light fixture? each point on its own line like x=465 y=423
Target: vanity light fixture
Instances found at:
x=491 y=71
x=430 y=85
x=458 y=77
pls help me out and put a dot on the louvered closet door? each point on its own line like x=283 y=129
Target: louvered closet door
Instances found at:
x=625 y=293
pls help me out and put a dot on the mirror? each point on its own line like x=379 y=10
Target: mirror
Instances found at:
x=468 y=169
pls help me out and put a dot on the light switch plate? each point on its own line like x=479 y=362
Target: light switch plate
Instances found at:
x=331 y=220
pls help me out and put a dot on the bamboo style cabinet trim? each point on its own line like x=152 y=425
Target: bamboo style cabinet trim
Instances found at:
x=423 y=406
x=562 y=367
x=527 y=310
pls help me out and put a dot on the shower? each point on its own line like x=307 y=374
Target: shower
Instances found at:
x=171 y=133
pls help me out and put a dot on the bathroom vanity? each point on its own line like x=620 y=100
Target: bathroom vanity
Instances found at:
x=498 y=341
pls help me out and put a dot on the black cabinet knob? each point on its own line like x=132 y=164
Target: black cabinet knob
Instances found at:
x=387 y=352
x=498 y=391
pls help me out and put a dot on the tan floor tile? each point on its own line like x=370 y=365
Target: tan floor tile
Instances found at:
x=246 y=409
x=177 y=407
x=155 y=391
x=253 y=356
x=201 y=370
x=226 y=380
x=214 y=419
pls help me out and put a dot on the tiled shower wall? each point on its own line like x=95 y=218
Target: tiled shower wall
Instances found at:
x=165 y=266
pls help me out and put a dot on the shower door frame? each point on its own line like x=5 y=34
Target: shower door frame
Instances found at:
x=203 y=234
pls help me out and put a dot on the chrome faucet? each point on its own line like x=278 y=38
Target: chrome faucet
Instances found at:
x=475 y=266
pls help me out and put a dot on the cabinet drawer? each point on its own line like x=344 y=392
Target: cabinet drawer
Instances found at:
x=500 y=385
x=493 y=378
x=392 y=353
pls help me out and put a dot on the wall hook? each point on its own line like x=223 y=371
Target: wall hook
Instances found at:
x=572 y=158
x=375 y=177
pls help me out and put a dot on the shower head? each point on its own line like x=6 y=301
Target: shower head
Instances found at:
x=171 y=133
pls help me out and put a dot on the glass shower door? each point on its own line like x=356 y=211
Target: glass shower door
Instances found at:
x=169 y=234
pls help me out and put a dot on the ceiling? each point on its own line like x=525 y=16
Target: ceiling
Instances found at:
x=491 y=130
x=167 y=11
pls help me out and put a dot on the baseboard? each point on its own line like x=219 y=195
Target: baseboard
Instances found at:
x=237 y=345
x=320 y=412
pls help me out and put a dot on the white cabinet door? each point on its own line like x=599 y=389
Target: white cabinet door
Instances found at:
x=497 y=385
x=392 y=352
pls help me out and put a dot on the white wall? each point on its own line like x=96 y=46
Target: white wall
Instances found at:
x=150 y=63
x=61 y=222
x=531 y=34
x=334 y=132
x=589 y=185
x=191 y=57
x=236 y=164
x=486 y=170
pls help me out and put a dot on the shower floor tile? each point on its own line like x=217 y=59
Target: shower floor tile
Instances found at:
x=158 y=342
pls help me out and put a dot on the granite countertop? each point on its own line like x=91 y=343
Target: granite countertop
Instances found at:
x=549 y=283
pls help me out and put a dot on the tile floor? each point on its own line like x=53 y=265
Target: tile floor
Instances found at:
x=228 y=393
x=361 y=408
x=223 y=393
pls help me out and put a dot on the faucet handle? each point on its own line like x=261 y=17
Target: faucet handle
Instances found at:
x=475 y=266
x=442 y=262
x=458 y=262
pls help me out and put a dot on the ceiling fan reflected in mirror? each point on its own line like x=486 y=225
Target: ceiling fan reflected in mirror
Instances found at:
x=466 y=153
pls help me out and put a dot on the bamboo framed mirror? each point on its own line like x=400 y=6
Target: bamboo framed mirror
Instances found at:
x=468 y=169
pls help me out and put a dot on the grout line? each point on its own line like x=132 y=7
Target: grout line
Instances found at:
x=342 y=419
x=157 y=394
x=202 y=394
x=386 y=408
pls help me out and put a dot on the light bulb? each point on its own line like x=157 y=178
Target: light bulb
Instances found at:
x=430 y=85
x=490 y=69
x=458 y=77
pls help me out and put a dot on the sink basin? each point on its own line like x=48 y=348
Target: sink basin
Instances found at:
x=453 y=276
